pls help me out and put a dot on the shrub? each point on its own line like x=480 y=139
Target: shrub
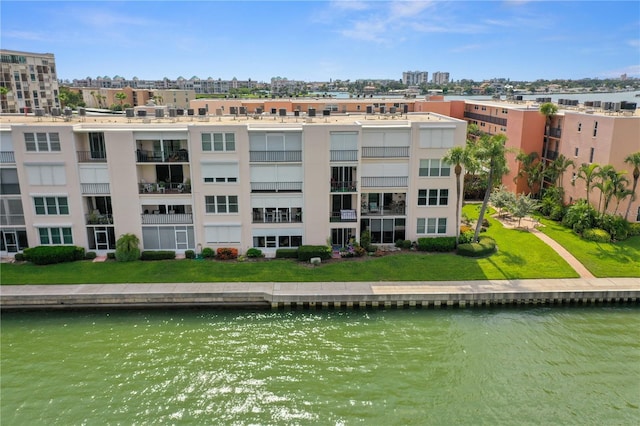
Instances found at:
x=127 y=248
x=365 y=240
x=484 y=247
x=190 y=254
x=307 y=252
x=615 y=225
x=226 y=253
x=90 y=255
x=256 y=252
x=46 y=255
x=208 y=253
x=111 y=255
x=634 y=229
x=465 y=228
x=557 y=213
x=580 y=216
x=287 y=253
x=596 y=234
x=158 y=255
x=439 y=244
x=466 y=236
x=360 y=251
x=19 y=257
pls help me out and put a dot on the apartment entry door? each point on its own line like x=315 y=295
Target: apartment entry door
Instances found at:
x=102 y=238
x=10 y=241
x=182 y=242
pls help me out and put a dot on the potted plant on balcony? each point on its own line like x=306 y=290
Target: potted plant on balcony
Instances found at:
x=161 y=186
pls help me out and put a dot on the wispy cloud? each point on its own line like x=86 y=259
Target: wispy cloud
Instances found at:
x=25 y=35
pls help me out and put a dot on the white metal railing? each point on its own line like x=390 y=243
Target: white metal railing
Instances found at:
x=95 y=188
x=166 y=219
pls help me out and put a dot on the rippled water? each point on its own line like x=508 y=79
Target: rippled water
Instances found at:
x=505 y=366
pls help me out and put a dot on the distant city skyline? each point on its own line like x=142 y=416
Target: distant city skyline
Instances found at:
x=318 y=41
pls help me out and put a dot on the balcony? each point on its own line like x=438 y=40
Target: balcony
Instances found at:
x=346 y=186
x=343 y=216
x=95 y=188
x=12 y=219
x=275 y=156
x=555 y=132
x=167 y=219
x=180 y=156
x=393 y=209
x=276 y=186
x=384 y=182
x=277 y=217
x=7 y=157
x=92 y=156
x=486 y=118
x=97 y=218
x=344 y=155
x=164 y=188
x=385 y=152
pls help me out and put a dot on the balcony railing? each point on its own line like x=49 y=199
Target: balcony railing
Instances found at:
x=276 y=186
x=344 y=155
x=7 y=157
x=385 y=152
x=12 y=219
x=166 y=188
x=386 y=210
x=92 y=156
x=346 y=186
x=99 y=219
x=486 y=118
x=95 y=188
x=282 y=218
x=381 y=182
x=275 y=156
x=167 y=219
x=555 y=132
x=343 y=216
x=180 y=156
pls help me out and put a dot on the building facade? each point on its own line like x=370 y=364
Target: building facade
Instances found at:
x=189 y=182
x=30 y=80
x=415 y=78
x=440 y=77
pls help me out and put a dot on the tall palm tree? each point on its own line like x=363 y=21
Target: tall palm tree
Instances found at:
x=121 y=96
x=491 y=152
x=603 y=180
x=634 y=161
x=588 y=173
x=459 y=157
x=530 y=169
x=560 y=165
x=548 y=109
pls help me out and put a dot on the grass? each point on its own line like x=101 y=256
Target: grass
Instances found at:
x=520 y=255
x=619 y=259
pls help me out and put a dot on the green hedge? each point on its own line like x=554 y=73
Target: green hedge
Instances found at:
x=597 y=235
x=45 y=255
x=189 y=254
x=441 y=244
x=634 y=229
x=254 y=252
x=90 y=255
x=287 y=253
x=307 y=252
x=208 y=253
x=157 y=255
x=485 y=247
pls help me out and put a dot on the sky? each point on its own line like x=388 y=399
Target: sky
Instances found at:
x=327 y=40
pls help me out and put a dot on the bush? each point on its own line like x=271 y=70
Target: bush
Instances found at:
x=360 y=251
x=190 y=254
x=596 y=234
x=287 y=253
x=365 y=240
x=484 y=247
x=634 y=229
x=466 y=236
x=615 y=225
x=557 y=213
x=158 y=255
x=439 y=244
x=90 y=255
x=111 y=255
x=226 y=253
x=208 y=253
x=580 y=216
x=46 y=255
x=127 y=248
x=404 y=244
x=19 y=257
x=256 y=252
x=307 y=252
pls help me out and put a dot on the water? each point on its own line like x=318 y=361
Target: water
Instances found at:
x=537 y=365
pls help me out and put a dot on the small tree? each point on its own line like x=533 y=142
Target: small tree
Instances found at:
x=523 y=206
x=634 y=161
x=502 y=199
x=121 y=96
x=127 y=248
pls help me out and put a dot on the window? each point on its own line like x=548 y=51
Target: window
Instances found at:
x=221 y=203
x=434 y=167
x=55 y=236
x=222 y=234
x=579 y=127
x=595 y=128
x=433 y=197
x=591 y=155
x=432 y=225
x=46 y=174
x=9 y=182
x=42 y=142
x=51 y=205
x=219 y=142
x=576 y=152
x=276 y=241
x=220 y=172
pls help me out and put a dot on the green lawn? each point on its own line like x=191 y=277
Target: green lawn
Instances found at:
x=620 y=259
x=520 y=255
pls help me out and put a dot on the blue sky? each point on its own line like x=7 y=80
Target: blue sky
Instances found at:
x=322 y=40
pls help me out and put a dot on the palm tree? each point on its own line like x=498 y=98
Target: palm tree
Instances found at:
x=491 y=152
x=3 y=94
x=548 y=109
x=121 y=96
x=588 y=173
x=459 y=157
x=634 y=161
x=605 y=176
x=560 y=166
x=530 y=169
x=127 y=248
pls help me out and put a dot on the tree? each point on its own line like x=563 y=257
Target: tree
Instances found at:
x=523 y=206
x=530 y=169
x=502 y=199
x=634 y=161
x=3 y=95
x=548 y=109
x=121 y=96
x=458 y=156
x=557 y=169
x=490 y=151
x=127 y=248
x=587 y=172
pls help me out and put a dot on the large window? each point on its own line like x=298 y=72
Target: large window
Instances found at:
x=218 y=142
x=168 y=237
x=51 y=205
x=225 y=234
x=277 y=241
x=42 y=142
x=433 y=197
x=221 y=203
x=48 y=174
x=384 y=231
x=9 y=182
x=220 y=172
x=432 y=226
x=434 y=167
x=55 y=236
